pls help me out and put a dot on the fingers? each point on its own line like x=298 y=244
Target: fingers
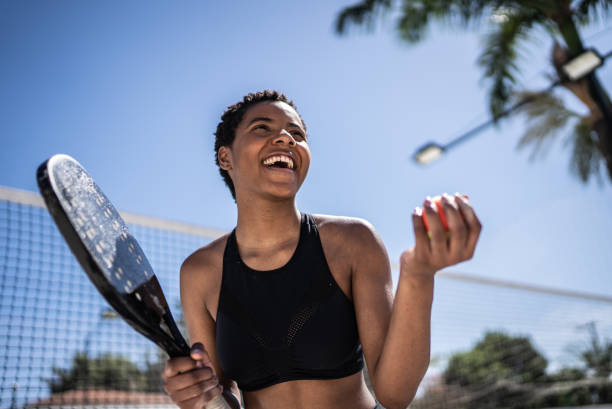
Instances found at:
x=198 y=353
x=186 y=379
x=191 y=381
x=420 y=232
x=457 y=227
x=175 y=366
x=200 y=383
x=473 y=224
x=450 y=239
x=199 y=401
x=437 y=242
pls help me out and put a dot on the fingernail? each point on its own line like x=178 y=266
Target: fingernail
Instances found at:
x=417 y=211
x=451 y=200
x=461 y=196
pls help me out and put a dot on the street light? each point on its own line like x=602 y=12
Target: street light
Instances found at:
x=582 y=65
x=429 y=152
x=575 y=69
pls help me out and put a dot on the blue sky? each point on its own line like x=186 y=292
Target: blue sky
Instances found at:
x=134 y=91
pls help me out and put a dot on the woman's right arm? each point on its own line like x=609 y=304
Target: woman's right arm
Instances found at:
x=193 y=381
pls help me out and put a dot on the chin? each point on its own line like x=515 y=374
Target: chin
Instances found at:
x=282 y=193
x=282 y=196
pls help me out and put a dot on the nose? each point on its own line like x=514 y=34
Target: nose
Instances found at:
x=284 y=137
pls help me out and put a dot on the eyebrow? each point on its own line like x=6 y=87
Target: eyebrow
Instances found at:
x=259 y=118
x=266 y=119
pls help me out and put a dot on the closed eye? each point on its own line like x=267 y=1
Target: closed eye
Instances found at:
x=264 y=127
x=298 y=135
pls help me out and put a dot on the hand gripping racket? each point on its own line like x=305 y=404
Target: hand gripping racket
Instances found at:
x=109 y=254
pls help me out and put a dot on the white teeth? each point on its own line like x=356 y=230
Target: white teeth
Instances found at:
x=279 y=158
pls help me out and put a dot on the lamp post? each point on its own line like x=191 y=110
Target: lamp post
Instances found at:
x=577 y=68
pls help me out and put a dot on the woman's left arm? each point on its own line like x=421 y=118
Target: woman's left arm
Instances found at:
x=395 y=333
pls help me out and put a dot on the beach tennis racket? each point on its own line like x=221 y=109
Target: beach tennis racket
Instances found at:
x=112 y=258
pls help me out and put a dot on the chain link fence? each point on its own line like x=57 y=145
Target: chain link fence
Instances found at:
x=494 y=344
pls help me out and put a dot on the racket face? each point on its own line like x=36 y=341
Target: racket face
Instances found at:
x=109 y=254
x=99 y=225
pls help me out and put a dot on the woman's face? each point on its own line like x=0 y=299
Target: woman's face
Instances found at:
x=269 y=155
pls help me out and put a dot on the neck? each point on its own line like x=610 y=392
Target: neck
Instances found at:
x=263 y=224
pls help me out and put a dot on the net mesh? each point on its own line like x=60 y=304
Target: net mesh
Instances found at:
x=492 y=346
x=57 y=334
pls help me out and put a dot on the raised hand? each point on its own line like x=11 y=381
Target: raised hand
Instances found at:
x=441 y=249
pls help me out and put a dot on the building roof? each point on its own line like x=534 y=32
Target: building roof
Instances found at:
x=90 y=398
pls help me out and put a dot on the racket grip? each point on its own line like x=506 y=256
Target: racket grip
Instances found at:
x=218 y=403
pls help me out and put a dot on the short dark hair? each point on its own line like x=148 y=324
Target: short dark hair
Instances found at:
x=226 y=129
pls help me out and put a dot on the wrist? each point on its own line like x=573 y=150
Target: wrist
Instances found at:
x=416 y=271
x=416 y=274
x=417 y=279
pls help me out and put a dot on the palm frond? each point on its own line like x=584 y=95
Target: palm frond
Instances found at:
x=546 y=117
x=472 y=11
x=415 y=15
x=363 y=13
x=586 y=158
x=415 y=18
x=500 y=55
x=547 y=7
x=589 y=11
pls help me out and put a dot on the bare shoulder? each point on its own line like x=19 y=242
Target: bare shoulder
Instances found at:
x=350 y=241
x=201 y=271
x=351 y=231
x=205 y=258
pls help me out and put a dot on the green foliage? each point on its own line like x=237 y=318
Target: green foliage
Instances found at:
x=500 y=55
x=586 y=156
x=587 y=11
x=511 y=23
x=504 y=371
x=499 y=372
x=107 y=371
x=415 y=15
x=598 y=355
x=567 y=375
x=547 y=116
x=363 y=13
x=497 y=357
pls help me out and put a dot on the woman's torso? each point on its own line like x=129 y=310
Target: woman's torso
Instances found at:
x=347 y=391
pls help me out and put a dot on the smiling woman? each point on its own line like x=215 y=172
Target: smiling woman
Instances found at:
x=269 y=146
x=284 y=309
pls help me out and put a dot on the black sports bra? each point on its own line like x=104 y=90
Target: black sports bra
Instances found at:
x=286 y=324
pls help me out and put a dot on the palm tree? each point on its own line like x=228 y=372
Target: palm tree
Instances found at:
x=598 y=355
x=515 y=20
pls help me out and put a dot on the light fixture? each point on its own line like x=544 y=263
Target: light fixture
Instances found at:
x=575 y=69
x=428 y=153
x=582 y=65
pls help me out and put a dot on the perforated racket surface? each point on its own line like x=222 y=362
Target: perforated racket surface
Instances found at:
x=109 y=254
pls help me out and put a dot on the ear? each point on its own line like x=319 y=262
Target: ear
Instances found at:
x=225 y=157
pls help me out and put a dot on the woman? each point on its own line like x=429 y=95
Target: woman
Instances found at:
x=285 y=308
